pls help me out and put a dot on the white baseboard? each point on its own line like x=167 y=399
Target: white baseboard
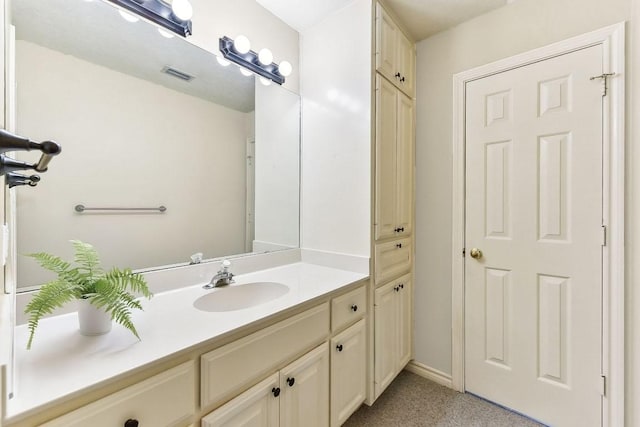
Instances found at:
x=429 y=373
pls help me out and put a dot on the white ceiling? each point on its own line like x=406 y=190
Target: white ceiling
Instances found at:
x=301 y=15
x=422 y=18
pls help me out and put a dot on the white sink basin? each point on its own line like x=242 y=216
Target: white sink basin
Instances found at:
x=237 y=297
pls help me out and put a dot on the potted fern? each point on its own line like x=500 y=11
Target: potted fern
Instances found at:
x=102 y=296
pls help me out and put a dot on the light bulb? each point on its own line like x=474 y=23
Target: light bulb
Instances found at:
x=265 y=81
x=222 y=61
x=165 y=33
x=128 y=17
x=285 y=68
x=242 y=44
x=245 y=72
x=182 y=9
x=265 y=56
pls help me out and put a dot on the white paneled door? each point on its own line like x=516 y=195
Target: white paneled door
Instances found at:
x=533 y=264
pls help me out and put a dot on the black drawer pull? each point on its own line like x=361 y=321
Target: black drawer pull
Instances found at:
x=339 y=347
x=354 y=308
x=276 y=391
x=291 y=381
x=399 y=246
x=396 y=288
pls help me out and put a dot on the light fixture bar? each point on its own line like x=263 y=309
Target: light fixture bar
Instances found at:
x=250 y=61
x=158 y=13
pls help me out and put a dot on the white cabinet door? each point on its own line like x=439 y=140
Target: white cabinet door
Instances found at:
x=406 y=64
x=386 y=336
x=393 y=331
x=404 y=164
x=386 y=35
x=348 y=372
x=256 y=407
x=395 y=53
x=386 y=119
x=304 y=400
x=394 y=161
x=405 y=321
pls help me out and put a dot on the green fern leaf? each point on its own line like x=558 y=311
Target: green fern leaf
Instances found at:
x=87 y=258
x=52 y=295
x=51 y=262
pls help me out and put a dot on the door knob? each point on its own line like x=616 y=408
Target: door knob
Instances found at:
x=475 y=253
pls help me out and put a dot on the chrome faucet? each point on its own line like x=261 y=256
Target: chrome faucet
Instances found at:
x=222 y=278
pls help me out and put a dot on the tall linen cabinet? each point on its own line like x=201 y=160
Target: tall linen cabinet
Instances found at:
x=393 y=202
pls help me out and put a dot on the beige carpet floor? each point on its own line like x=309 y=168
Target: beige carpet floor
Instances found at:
x=412 y=401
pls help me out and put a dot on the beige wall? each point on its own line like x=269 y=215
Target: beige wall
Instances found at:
x=513 y=29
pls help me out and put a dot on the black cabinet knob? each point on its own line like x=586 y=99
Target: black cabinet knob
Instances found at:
x=131 y=423
x=396 y=288
x=339 y=347
x=402 y=79
x=397 y=76
x=399 y=246
x=400 y=229
x=276 y=391
x=401 y=285
x=354 y=308
x=291 y=381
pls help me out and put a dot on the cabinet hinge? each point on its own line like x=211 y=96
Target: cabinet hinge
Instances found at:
x=464 y=252
x=604 y=235
x=603 y=385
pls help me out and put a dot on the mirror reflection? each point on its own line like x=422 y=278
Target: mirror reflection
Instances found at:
x=147 y=121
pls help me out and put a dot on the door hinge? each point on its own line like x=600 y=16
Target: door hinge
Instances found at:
x=605 y=81
x=603 y=385
x=604 y=235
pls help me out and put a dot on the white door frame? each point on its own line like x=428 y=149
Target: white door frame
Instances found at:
x=612 y=40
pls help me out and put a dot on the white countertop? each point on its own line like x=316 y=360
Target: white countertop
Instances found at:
x=62 y=362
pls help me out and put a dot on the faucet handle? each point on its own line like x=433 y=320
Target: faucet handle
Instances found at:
x=225 y=265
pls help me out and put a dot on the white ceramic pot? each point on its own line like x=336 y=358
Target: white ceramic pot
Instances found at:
x=93 y=320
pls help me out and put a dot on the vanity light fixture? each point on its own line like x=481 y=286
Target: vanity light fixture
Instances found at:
x=239 y=52
x=174 y=15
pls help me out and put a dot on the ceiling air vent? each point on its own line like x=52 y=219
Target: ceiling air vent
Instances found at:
x=177 y=74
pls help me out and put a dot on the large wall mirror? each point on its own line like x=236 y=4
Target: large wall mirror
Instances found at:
x=146 y=121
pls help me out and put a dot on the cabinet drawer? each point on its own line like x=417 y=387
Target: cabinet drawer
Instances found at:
x=348 y=308
x=392 y=259
x=232 y=368
x=166 y=399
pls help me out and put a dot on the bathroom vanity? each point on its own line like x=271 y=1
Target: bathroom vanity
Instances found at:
x=301 y=355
